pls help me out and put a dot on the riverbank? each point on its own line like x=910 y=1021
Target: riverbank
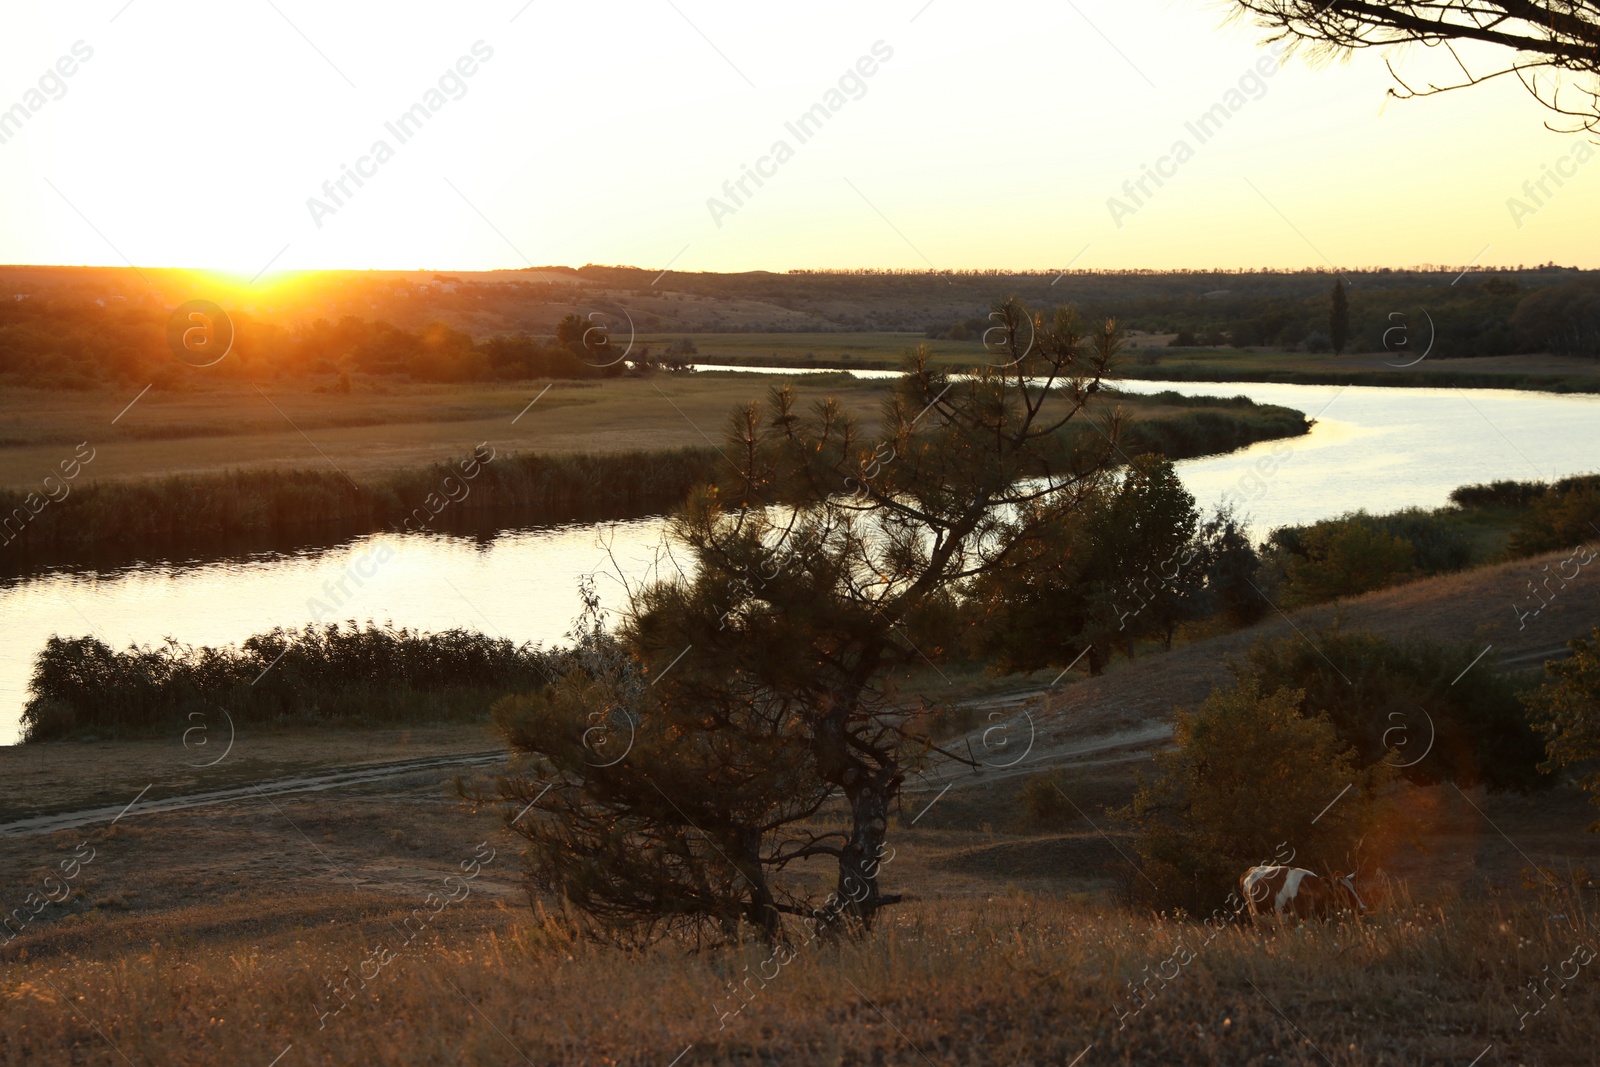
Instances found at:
x=108 y=523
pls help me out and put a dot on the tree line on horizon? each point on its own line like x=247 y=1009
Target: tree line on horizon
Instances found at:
x=1491 y=316
x=57 y=344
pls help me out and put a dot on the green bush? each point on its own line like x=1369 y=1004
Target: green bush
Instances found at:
x=1357 y=553
x=1341 y=558
x=1502 y=494
x=1566 y=711
x=1439 y=545
x=1381 y=695
x=1564 y=516
x=1245 y=784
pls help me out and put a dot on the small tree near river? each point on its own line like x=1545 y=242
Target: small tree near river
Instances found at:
x=669 y=776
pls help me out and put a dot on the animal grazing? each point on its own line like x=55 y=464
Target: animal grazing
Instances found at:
x=1296 y=891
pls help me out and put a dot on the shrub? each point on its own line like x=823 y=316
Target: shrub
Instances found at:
x=1248 y=778
x=1380 y=695
x=1232 y=570
x=365 y=674
x=1343 y=558
x=1440 y=545
x=1357 y=552
x=1566 y=514
x=1044 y=801
x=1505 y=494
x=1566 y=711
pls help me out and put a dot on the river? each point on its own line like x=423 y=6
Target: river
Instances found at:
x=1373 y=448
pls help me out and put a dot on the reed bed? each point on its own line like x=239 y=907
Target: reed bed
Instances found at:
x=1217 y=426
x=193 y=511
x=363 y=674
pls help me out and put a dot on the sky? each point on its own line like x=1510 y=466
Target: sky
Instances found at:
x=951 y=135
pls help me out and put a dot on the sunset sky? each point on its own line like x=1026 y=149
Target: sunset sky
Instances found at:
x=985 y=135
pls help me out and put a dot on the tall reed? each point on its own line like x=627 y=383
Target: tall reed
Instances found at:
x=195 y=511
x=370 y=674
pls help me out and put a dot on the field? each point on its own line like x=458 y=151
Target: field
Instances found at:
x=377 y=428
x=185 y=938
x=385 y=428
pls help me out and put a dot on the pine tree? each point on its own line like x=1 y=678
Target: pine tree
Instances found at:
x=751 y=686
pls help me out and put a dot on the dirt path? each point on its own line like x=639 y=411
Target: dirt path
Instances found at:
x=1014 y=716
x=299 y=783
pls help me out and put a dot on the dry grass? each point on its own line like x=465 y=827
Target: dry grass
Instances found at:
x=212 y=936
x=391 y=427
x=1017 y=978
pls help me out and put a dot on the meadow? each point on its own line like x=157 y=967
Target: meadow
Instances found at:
x=379 y=427
x=1019 y=977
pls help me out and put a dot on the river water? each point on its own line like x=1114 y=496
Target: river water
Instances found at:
x=1373 y=448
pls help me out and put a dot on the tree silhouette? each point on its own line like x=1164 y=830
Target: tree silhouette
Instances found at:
x=1547 y=40
x=751 y=685
x=1124 y=564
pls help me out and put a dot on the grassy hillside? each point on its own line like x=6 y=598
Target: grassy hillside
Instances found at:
x=1018 y=978
x=1015 y=947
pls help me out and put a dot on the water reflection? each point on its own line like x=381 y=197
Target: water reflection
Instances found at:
x=1385 y=449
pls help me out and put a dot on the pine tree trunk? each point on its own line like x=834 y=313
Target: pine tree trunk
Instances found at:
x=858 y=891
x=762 y=910
x=869 y=786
